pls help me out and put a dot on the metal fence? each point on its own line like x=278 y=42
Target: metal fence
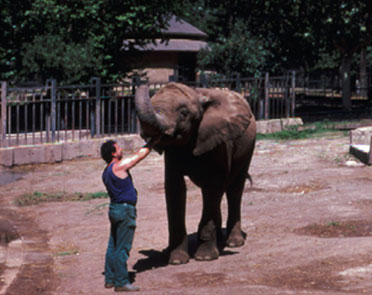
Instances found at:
x=331 y=85
x=65 y=113
x=269 y=97
x=54 y=113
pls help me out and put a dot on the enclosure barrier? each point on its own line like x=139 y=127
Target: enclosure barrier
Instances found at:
x=361 y=144
x=54 y=113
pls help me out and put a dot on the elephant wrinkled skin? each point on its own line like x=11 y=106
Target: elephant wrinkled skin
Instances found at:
x=209 y=136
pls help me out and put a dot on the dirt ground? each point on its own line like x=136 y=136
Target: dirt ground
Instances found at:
x=307 y=221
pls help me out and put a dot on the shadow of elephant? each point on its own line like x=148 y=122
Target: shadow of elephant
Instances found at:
x=157 y=259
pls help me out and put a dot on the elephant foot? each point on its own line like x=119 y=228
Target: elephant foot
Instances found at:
x=207 y=251
x=235 y=238
x=178 y=256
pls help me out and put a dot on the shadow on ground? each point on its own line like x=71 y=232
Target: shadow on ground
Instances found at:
x=157 y=259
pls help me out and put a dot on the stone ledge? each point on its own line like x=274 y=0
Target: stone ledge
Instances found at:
x=276 y=125
x=6 y=156
x=57 y=152
x=362 y=152
x=361 y=143
x=361 y=135
x=62 y=151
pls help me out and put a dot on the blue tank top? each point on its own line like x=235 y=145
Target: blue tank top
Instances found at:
x=120 y=190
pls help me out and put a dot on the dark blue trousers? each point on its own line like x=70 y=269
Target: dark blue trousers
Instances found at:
x=123 y=224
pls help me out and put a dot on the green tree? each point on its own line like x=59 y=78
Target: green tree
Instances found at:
x=239 y=52
x=272 y=33
x=342 y=27
x=73 y=40
x=11 y=35
x=299 y=34
x=232 y=48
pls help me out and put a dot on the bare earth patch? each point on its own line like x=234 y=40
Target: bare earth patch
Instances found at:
x=341 y=229
x=306 y=219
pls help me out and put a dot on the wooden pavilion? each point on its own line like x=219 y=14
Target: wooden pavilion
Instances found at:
x=174 y=53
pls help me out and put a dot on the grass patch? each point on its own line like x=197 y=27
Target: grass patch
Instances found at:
x=303 y=131
x=92 y=196
x=333 y=223
x=39 y=197
x=66 y=250
x=66 y=253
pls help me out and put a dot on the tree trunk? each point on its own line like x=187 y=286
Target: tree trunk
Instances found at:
x=363 y=81
x=346 y=82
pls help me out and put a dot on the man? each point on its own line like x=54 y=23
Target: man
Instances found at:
x=122 y=213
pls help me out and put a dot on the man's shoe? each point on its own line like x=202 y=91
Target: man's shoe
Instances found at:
x=109 y=285
x=127 y=288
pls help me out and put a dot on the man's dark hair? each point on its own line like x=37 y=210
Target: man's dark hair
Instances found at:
x=107 y=148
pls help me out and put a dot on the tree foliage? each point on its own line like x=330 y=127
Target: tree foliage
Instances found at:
x=72 y=40
x=239 y=52
x=342 y=27
x=287 y=34
x=297 y=33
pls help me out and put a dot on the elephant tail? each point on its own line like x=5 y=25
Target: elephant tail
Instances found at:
x=250 y=179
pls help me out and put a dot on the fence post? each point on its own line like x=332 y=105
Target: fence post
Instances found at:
x=293 y=94
x=203 y=80
x=136 y=82
x=175 y=76
x=266 y=96
x=370 y=152
x=96 y=82
x=237 y=83
x=3 y=111
x=53 y=108
x=51 y=121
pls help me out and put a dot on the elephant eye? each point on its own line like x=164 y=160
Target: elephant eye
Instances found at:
x=160 y=111
x=184 y=113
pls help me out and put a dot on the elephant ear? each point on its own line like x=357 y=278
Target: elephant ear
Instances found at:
x=227 y=115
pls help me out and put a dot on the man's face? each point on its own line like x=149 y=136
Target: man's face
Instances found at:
x=118 y=152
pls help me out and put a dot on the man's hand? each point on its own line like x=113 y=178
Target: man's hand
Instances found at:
x=152 y=142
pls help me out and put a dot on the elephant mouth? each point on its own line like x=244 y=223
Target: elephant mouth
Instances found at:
x=154 y=123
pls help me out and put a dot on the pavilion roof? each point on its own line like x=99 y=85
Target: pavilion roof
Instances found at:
x=178 y=36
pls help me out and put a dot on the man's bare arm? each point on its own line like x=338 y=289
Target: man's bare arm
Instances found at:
x=131 y=161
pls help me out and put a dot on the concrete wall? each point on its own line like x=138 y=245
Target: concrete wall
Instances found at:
x=57 y=152
x=276 y=125
x=361 y=144
x=361 y=135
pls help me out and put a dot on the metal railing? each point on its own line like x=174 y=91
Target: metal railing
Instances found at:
x=53 y=113
x=269 y=97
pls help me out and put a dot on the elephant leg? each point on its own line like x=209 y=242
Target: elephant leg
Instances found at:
x=175 y=189
x=209 y=227
x=234 y=194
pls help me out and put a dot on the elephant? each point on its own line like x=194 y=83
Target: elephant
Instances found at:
x=209 y=136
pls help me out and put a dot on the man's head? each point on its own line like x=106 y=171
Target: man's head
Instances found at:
x=110 y=150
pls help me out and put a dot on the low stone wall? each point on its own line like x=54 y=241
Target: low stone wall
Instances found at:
x=62 y=151
x=276 y=125
x=51 y=153
x=361 y=144
x=361 y=135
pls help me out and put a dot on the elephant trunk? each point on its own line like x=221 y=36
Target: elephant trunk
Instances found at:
x=151 y=122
